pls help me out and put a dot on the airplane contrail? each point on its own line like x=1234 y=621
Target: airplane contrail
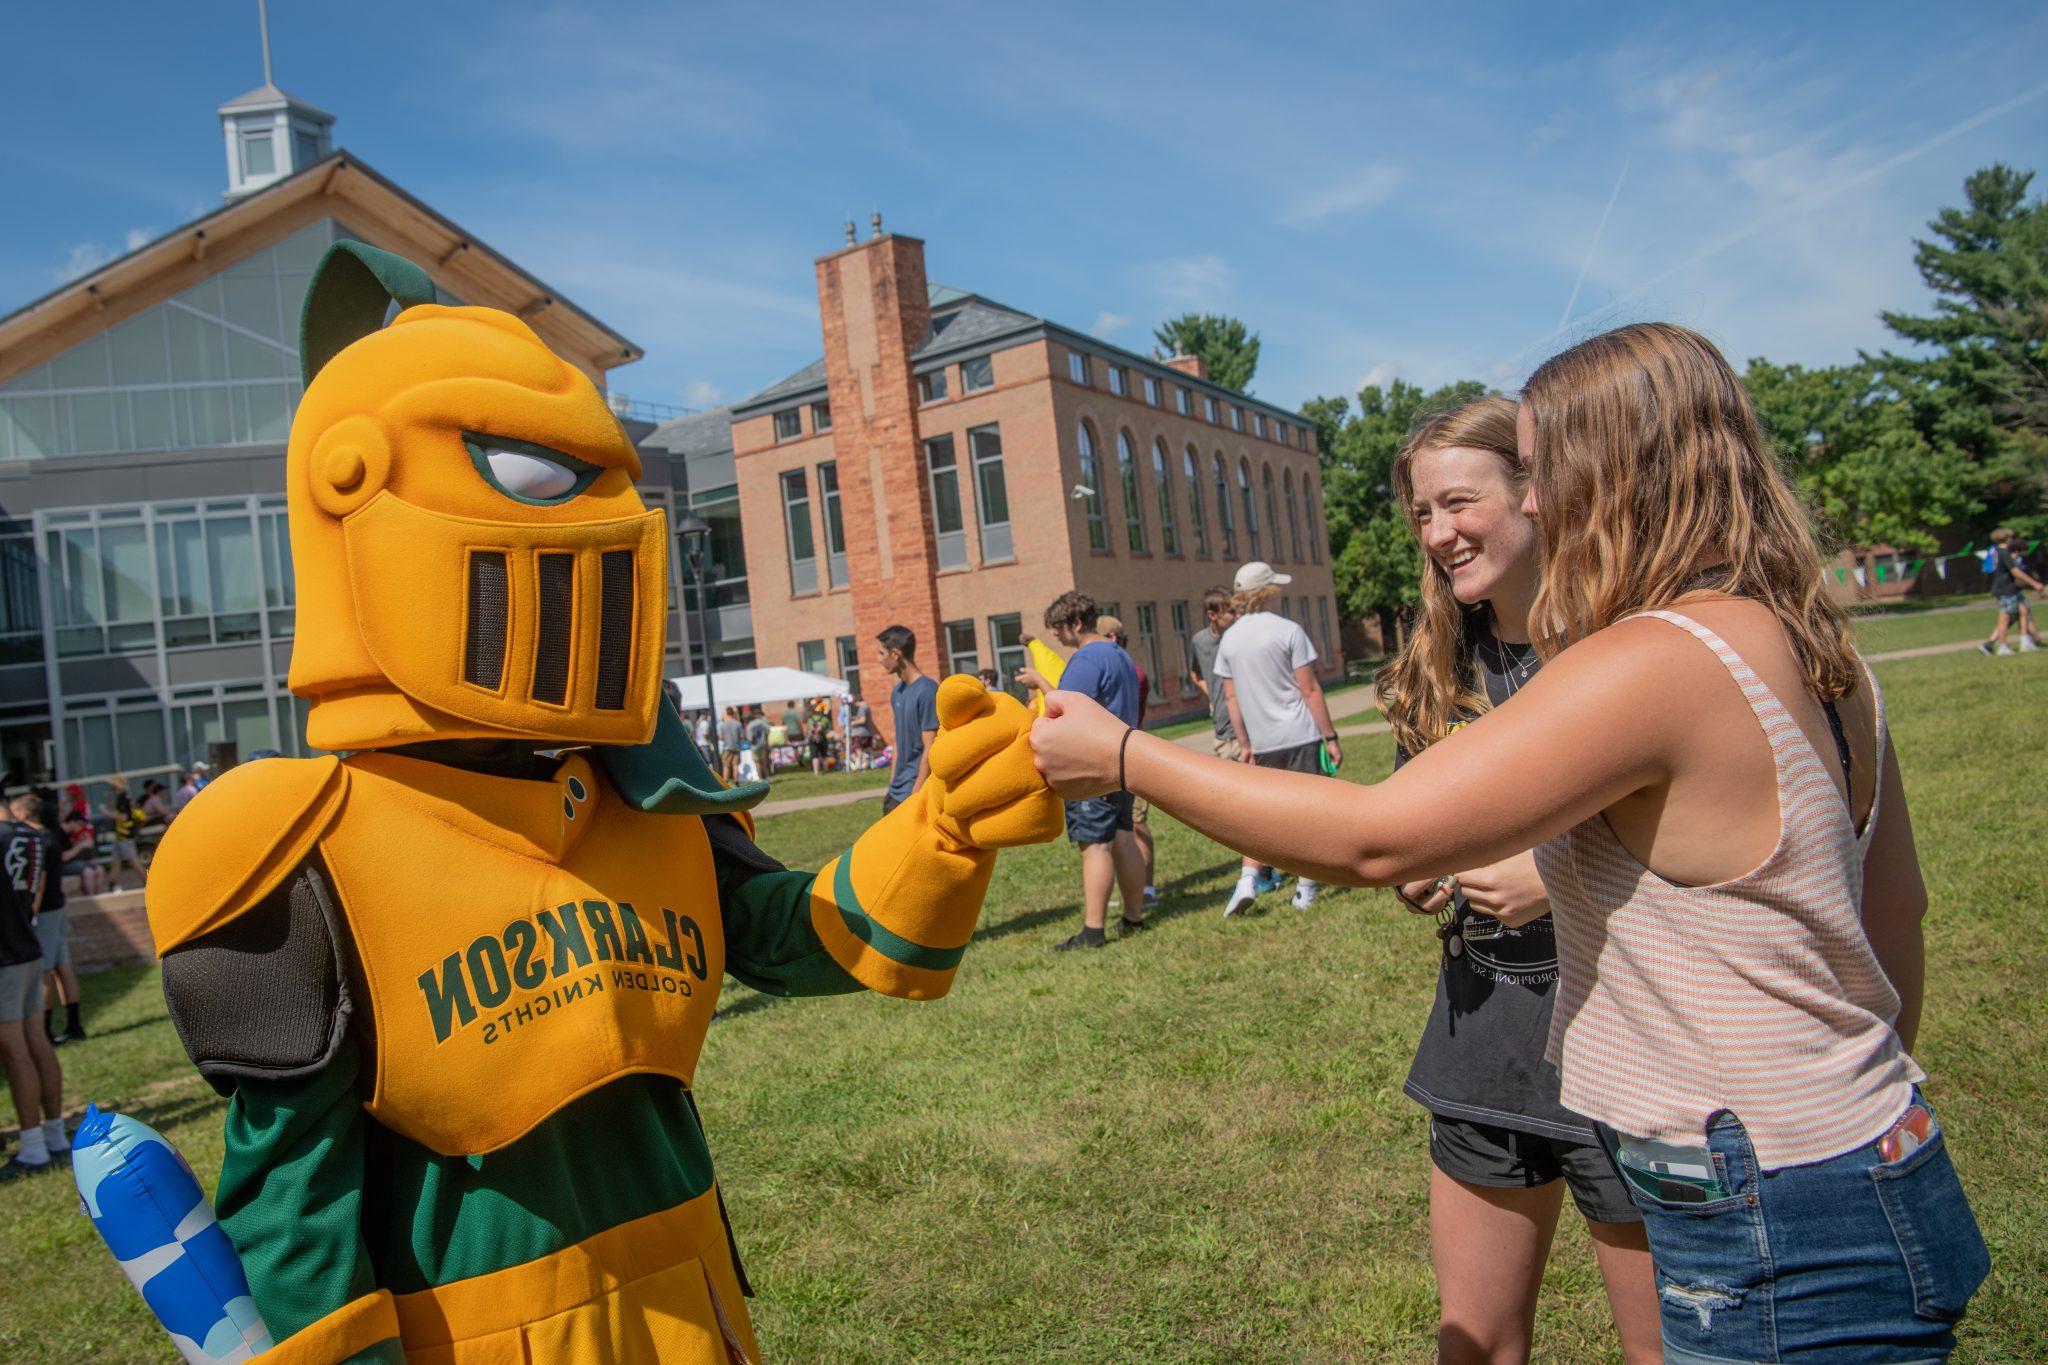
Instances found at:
x=1587 y=264
x=1762 y=221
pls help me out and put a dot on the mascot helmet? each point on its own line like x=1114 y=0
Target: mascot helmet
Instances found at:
x=472 y=559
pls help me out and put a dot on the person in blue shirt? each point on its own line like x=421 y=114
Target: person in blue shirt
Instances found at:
x=914 y=701
x=1101 y=825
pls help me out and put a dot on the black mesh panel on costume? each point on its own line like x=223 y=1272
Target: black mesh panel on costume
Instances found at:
x=551 y=630
x=483 y=652
x=261 y=996
x=615 y=629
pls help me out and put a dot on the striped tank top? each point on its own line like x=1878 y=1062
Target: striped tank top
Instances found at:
x=1759 y=995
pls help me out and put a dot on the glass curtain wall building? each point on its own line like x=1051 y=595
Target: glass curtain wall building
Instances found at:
x=146 y=589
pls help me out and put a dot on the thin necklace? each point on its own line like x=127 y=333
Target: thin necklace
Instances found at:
x=1516 y=672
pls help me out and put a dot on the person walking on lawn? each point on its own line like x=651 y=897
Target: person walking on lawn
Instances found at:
x=34 y=1076
x=1267 y=665
x=1110 y=628
x=2008 y=575
x=1100 y=825
x=914 y=700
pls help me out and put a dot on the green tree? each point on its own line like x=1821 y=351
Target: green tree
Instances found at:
x=1225 y=346
x=1981 y=389
x=1854 y=448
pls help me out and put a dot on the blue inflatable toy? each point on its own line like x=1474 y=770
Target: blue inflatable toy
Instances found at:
x=149 y=1209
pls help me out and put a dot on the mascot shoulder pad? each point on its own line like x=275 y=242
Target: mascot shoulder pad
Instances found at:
x=237 y=841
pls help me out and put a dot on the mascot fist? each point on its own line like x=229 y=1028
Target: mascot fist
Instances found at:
x=985 y=791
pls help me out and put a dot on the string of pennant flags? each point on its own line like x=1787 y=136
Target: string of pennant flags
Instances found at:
x=1899 y=567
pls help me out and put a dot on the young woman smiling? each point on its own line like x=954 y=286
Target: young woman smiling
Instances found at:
x=1704 y=770
x=1503 y=1150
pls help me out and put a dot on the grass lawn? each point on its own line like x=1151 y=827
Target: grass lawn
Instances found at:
x=1192 y=1146
x=1877 y=634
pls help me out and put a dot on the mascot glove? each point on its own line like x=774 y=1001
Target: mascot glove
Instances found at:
x=897 y=909
x=984 y=791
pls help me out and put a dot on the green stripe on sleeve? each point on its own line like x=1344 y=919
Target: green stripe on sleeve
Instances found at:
x=877 y=936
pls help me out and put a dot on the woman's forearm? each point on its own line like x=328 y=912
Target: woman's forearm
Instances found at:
x=1901 y=950
x=1257 y=811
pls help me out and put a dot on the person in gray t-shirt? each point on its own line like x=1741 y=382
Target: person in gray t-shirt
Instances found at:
x=1216 y=607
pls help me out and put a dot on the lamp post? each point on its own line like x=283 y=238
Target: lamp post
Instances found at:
x=695 y=534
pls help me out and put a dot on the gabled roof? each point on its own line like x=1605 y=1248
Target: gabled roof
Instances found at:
x=340 y=185
x=811 y=377
x=977 y=322
x=701 y=433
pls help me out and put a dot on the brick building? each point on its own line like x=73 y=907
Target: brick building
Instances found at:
x=952 y=465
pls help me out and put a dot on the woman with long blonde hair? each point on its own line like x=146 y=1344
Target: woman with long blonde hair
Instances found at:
x=1503 y=1150
x=1704 y=770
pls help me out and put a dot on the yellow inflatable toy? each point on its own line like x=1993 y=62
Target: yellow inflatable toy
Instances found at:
x=455 y=982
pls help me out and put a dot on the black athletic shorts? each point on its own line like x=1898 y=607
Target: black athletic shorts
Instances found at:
x=1096 y=819
x=1302 y=758
x=1508 y=1159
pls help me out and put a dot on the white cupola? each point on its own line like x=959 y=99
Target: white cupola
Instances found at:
x=271 y=135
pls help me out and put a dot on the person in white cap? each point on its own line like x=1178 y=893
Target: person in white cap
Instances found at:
x=1267 y=666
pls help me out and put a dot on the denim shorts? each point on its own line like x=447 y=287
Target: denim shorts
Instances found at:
x=1851 y=1258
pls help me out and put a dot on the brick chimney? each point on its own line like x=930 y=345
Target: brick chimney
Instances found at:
x=875 y=309
x=1190 y=364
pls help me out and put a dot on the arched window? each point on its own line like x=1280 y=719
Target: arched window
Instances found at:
x=1315 y=533
x=1162 y=476
x=1293 y=518
x=1091 y=480
x=1224 y=521
x=1134 y=509
x=1251 y=505
x=1272 y=506
x=1196 y=521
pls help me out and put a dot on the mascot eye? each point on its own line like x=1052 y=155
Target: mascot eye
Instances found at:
x=527 y=472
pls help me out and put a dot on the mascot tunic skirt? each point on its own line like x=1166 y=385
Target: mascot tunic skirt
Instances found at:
x=455 y=982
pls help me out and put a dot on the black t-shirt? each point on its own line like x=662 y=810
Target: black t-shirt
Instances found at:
x=2002 y=582
x=53 y=873
x=1481 y=1054
x=21 y=856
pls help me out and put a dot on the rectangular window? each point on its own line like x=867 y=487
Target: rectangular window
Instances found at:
x=796 y=519
x=1258 y=424
x=1006 y=642
x=835 y=526
x=978 y=373
x=259 y=155
x=810 y=656
x=1077 y=367
x=1148 y=646
x=1180 y=401
x=1209 y=408
x=1117 y=385
x=789 y=423
x=961 y=655
x=821 y=416
x=1187 y=647
x=1301 y=437
x=1280 y=432
x=991 y=494
x=949 y=527
x=1151 y=391
x=931 y=387
x=1236 y=418
x=849 y=662
x=1323 y=620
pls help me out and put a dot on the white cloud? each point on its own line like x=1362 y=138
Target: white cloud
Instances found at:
x=702 y=393
x=1379 y=376
x=1189 y=281
x=1107 y=322
x=1359 y=193
x=86 y=257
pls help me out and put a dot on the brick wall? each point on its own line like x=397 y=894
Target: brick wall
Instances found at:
x=109 y=929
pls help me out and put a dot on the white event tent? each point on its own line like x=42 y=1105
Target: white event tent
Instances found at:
x=755 y=687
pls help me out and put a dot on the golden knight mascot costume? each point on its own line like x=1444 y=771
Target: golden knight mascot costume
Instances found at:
x=455 y=982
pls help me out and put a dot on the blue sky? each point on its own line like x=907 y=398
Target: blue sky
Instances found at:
x=1455 y=193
